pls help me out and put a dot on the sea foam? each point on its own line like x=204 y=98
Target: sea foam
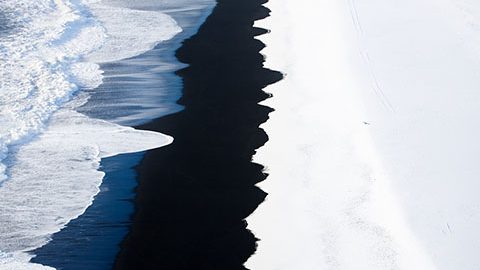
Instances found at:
x=49 y=153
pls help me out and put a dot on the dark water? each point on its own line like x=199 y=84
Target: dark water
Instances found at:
x=134 y=91
x=7 y=24
x=4 y=23
x=145 y=87
x=92 y=241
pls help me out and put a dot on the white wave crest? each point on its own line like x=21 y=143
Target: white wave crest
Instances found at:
x=49 y=153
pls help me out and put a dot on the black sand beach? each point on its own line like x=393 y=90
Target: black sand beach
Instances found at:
x=194 y=194
x=92 y=240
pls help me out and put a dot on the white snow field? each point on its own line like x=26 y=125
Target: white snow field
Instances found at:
x=374 y=147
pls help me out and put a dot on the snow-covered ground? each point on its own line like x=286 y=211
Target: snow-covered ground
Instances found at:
x=374 y=146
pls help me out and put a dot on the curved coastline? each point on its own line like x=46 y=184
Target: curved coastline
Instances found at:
x=50 y=153
x=99 y=231
x=194 y=195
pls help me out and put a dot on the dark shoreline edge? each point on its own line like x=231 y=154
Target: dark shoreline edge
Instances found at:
x=92 y=240
x=194 y=195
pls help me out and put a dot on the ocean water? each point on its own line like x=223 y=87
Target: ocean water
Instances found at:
x=51 y=59
x=151 y=74
x=92 y=241
x=100 y=230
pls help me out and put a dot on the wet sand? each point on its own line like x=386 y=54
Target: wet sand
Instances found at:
x=194 y=195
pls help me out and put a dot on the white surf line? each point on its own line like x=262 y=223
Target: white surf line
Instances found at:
x=53 y=163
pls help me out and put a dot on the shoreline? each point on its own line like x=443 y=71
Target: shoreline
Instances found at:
x=103 y=225
x=194 y=195
x=152 y=71
x=99 y=231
